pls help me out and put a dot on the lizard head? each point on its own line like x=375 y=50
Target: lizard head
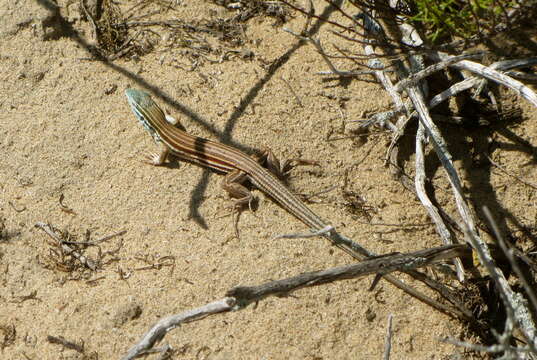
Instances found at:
x=146 y=110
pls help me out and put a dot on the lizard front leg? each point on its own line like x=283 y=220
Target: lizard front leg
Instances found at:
x=158 y=158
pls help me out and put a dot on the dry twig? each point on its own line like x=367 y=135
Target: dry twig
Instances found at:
x=388 y=341
x=241 y=296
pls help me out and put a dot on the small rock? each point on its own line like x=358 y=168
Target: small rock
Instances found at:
x=125 y=312
x=370 y=315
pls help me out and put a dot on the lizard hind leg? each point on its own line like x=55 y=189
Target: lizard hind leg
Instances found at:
x=281 y=169
x=232 y=184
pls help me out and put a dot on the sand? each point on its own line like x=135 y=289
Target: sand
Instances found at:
x=66 y=131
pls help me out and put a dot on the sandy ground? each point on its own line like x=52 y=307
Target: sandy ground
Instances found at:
x=66 y=130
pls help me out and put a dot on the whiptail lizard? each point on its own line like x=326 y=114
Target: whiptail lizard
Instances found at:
x=223 y=158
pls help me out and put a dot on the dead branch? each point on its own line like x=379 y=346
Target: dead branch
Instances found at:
x=379 y=265
x=239 y=297
x=491 y=74
x=161 y=328
x=419 y=180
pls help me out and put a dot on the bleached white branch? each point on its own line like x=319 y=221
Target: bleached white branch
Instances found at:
x=161 y=328
x=491 y=74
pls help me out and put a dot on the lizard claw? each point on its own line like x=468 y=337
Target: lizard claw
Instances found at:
x=152 y=159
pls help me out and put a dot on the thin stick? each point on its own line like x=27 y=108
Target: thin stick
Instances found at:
x=344 y=73
x=444 y=156
x=513 y=64
x=319 y=48
x=510 y=174
x=388 y=341
x=95 y=32
x=374 y=29
x=108 y=237
x=297 y=98
x=492 y=349
x=66 y=343
x=419 y=181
